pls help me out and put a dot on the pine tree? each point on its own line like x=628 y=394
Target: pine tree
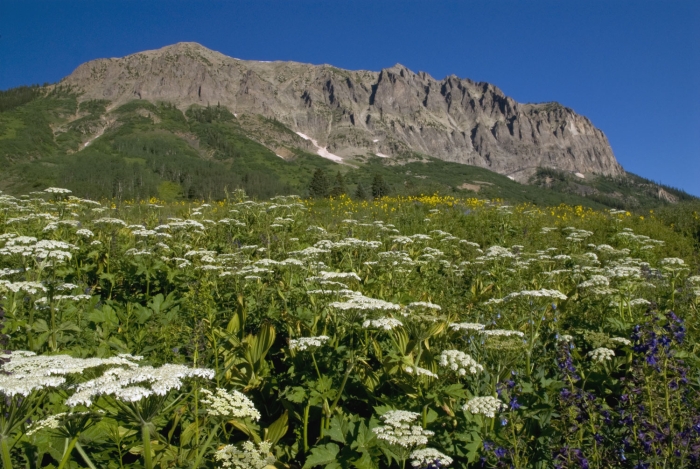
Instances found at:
x=360 y=192
x=319 y=186
x=379 y=187
x=339 y=187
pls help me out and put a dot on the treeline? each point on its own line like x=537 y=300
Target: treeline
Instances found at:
x=322 y=186
x=15 y=97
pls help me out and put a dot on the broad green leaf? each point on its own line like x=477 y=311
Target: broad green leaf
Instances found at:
x=322 y=455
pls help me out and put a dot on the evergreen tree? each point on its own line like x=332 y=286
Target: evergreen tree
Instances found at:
x=339 y=187
x=360 y=192
x=319 y=186
x=379 y=187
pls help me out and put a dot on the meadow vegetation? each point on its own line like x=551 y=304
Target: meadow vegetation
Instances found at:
x=421 y=331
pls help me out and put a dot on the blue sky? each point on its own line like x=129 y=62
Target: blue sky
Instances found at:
x=632 y=67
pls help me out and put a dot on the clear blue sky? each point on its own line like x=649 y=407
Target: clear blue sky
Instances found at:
x=632 y=67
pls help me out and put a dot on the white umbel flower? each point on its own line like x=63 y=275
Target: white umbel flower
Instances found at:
x=227 y=404
x=26 y=371
x=467 y=326
x=486 y=405
x=118 y=382
x=459 y=362
x=595 y=281
x=427 y=456
x=502 y=333
x=423 y=305
x=50 y=422
x=249 y=457
x=621 y=341
x=361 y=302
x=399 y=431
x=57 y=190
x=304 y=343
x=601 y=354
x=418 y=371
x=668 y=261
x=382 y=323
x=543 y=293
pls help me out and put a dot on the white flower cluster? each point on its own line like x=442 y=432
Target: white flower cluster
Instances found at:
x=335 y=276
x=226 y=404
x=27 y=371
x=467 y=326
x=502 y=333
x=382 y=323
x=418 y=371
x=50 y=422
x=621 y=341
x=498 y=252
x=486 y=405
x=361 y=302
x=54 y=421
x=57 y=190
x=459 y=362
x=28 y=287
x=671 y=261
x=428 y=456
x=601 y=354
x=424 y=305
x=110 y=221
x=118 y=382
x=249 y=457
x=543 y=293
x=304 y=343
x=595 y=281
x=399 y=431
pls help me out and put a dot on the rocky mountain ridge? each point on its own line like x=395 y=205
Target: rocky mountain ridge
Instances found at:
x=345 y=113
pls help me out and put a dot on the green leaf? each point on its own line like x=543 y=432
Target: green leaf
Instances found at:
x=340 y=427
x=277 y=429
x=261 y=343
x=323 y=456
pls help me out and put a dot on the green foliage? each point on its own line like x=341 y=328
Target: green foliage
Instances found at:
x=379 y=187
x=139 y=149
x=326 y=316
x=319 y=185
x=339 y=187
x=360 y=191
x=15 y=97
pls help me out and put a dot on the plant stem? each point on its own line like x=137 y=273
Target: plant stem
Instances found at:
x=306 y=428
x=82 y=452
x=318 y=373
x=342 y=385
x=146 y=437
x=66 y=454
x=200 y=454
x=6 y=459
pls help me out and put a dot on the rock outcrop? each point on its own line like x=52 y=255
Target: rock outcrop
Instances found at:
x=388 y=113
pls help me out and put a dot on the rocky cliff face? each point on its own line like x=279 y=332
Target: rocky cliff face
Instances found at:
x=351 y=113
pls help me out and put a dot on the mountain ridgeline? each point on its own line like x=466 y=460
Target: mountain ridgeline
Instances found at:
x=187 y=122
x=392 y=112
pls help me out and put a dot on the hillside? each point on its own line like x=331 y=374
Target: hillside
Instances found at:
x=169 y=143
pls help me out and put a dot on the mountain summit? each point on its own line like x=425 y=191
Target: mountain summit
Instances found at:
x=343 y=113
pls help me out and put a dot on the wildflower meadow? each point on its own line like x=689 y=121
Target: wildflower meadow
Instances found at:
x=406 y=332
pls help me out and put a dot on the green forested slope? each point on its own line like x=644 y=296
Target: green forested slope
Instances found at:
x=142 y=150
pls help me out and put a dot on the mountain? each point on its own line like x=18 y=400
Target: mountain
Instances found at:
x=185 y=122
x=350 y=113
